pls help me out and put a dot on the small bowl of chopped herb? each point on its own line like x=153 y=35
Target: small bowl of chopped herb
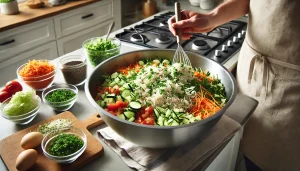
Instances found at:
x=60 y=97
x=21 y=108
x=64 y=145
x=98 y=49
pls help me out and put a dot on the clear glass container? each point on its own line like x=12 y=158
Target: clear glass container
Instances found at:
x=22 y=119
x=61 y=106
x=69 y=158
x=95 y=56
x=74 y=69
x=38 y=83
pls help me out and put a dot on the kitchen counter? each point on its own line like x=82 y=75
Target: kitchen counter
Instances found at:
x=240 y=111
x=28 y=15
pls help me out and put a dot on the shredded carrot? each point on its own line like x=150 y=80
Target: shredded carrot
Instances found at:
x=201 y=75
x=137 y=67
x=204 y=107
x=36 y=68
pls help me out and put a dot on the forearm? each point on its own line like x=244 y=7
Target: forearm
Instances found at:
x=229 y=10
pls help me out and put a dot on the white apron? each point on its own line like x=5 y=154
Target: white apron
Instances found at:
x=269 y=71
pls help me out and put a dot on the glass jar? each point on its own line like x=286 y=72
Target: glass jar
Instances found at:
x=74 y=69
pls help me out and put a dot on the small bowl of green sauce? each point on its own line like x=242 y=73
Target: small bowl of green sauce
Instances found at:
x=64 y=145
x=60 y=97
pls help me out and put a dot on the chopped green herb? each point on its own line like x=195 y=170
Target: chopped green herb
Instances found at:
x=64 y=144
x=98 y=50
x=60 y=95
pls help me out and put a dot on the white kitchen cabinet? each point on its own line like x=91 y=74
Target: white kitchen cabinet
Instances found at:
x=73 y=42
x=60 y=34
x=9 y=67
x=17 y=40
x=83 y=18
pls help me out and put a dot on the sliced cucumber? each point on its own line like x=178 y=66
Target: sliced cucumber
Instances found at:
x=103 y=96
x=111 y=96
x=119 y=98
x=135 y=105
x=160 y=121
x=156 y=113
x=161 y=110
x=112 y=84
x=114 y=75
x=121 y=116
x=131 y=119
x=178 y=110
x=174 y=123
x=109 y=100
x=141 y=63
x=130 y=87
x=117 y=80
x=129 y=114
x=103 y=104
x=168 y=113
x=125 y=93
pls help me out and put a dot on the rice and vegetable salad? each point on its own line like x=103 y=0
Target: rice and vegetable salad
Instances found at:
x=156 y=92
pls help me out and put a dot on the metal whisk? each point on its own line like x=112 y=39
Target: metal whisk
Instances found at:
x=180 y=56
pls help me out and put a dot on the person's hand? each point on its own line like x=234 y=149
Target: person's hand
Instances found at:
x=191 y=22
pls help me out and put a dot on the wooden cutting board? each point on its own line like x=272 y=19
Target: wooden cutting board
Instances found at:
x=10 y=147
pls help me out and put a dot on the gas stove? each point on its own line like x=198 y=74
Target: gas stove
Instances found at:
x=219 y=44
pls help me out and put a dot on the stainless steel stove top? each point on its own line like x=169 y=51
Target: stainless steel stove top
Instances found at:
x=219 y=44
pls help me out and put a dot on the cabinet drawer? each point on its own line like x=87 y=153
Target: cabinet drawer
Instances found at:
x=9 y=67
x=20 y=39
x=73 y=42
x=83 y=18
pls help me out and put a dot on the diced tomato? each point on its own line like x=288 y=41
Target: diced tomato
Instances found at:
x=138 y=120
x=120 y=104
x=117 y=91
x=148 y=121
x=125 y=104
x=112 y=106
x=145 y=115
x=149 y=110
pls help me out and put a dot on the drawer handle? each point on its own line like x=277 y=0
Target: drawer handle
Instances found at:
x=87 y=16
x=8 y=42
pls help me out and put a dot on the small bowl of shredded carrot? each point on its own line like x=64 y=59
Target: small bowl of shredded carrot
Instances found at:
x=38 y=74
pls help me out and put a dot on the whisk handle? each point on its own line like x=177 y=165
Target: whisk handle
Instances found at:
x=178 y=18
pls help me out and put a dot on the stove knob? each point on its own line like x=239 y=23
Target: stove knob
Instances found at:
x=240 y=36
x=229 y=43
x=243 y=32
x=235 y=39
x=224 y=48
x=218 y=53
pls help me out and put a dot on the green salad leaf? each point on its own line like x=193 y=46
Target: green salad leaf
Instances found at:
x=21 y=103
x=98 y=50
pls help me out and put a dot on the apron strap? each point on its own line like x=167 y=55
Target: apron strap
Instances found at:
x=260 y=66
x=264 y=67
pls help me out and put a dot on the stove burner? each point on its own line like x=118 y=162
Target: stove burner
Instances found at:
x=200 y=45
x=137 y=38
x=163 y=23
x=163 y=39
